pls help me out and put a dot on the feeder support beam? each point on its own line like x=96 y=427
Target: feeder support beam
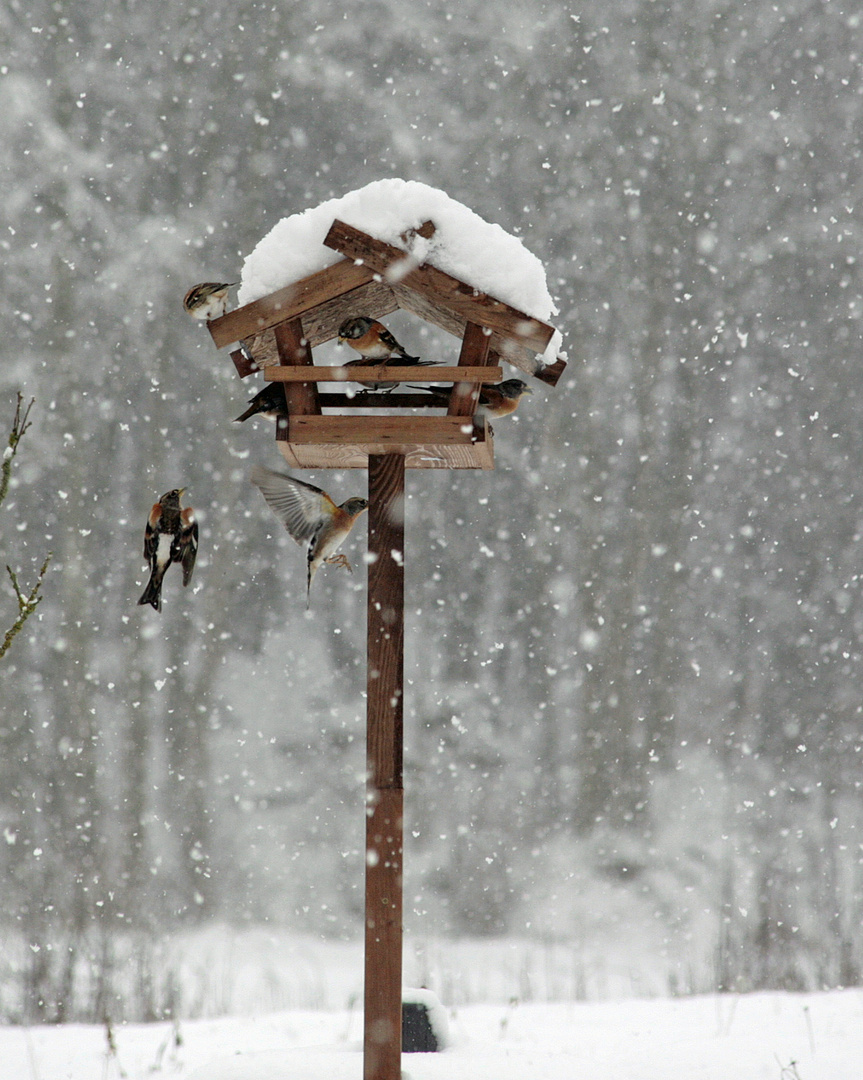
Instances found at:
x=382 y=1031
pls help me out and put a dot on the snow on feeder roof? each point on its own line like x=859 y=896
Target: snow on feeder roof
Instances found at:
x=463 y=245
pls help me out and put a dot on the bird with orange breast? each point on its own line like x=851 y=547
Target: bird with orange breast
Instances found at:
x=170 y=536
x=310 y=516
x=373 y=341
x=495 y=399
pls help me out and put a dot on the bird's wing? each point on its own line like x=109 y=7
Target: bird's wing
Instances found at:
x=301 y=507
x=188 y=541
x=150 y=537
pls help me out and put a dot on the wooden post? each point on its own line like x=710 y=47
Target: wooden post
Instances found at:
x=301 y=398
x=474 y=352
x=382 y=1042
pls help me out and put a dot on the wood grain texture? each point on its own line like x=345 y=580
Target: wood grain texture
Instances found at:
x=442 y=289
x=515 y=354
x=386 y=618
x=321 y=324
x=244 y=364
x=288 y=303
x=551 y=373
x=422 y=430
x=377 y=373
x=384 y=752
x=478 y=455
x=474 y=353
x=382 y=1013
x=301 y=397
x=367 y=399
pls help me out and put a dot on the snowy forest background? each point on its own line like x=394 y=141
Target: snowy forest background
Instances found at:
x=633 y=650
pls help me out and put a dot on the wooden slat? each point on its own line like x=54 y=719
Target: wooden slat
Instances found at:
x=301 y=397
x=288 y=303
x=477 y=455
x=244 y=364
x=423 y=308
x=375 y=299
x=370 y=400
x=443 y=289
x=422 y=430
x=321 y=324
x=474 y=352
x=513 y=353
x=551 y=373
x=368 y=373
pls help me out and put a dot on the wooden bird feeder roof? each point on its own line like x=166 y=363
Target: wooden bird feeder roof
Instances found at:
x=278 y=332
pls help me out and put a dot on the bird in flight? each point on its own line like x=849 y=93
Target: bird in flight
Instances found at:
x=311 y=517
x=170 y=536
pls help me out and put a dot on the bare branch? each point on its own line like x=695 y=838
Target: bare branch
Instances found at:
x=20 y=424
x=26 y=604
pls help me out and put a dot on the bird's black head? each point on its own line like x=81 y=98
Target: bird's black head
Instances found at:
x=354 y=328
x=172 y=498
x=513 y=388
x=355 y=506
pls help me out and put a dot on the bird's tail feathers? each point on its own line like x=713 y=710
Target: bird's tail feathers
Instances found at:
x=153 y=593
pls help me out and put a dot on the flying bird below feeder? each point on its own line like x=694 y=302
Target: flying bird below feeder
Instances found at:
x=310 y=516
x=170 y=536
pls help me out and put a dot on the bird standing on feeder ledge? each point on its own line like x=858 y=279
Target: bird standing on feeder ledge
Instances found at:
x=208 y=300
x=310 y=516
x=170 y=536
x=373 y=341
x=269 y=402
x=495 y=399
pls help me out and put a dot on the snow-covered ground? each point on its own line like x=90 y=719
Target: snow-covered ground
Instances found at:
x=773 y=1036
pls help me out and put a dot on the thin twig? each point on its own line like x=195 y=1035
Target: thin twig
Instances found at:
x=20 y=424
x=26 y=604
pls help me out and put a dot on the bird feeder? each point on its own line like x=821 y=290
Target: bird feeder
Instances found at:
x=370 y=430
x=278 y=332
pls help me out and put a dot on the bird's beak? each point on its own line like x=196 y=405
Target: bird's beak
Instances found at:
x=180 y=491
x=528 y=390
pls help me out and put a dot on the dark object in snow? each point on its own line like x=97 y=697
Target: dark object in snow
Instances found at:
x=170 y=536
x=424 y=1024
x=418 y=1035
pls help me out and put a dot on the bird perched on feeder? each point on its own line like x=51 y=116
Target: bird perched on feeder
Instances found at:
x=170 y=536
x=208 y=300
x=495 y=399
x=310 y=516
x=373 y=341
x=269 y=402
